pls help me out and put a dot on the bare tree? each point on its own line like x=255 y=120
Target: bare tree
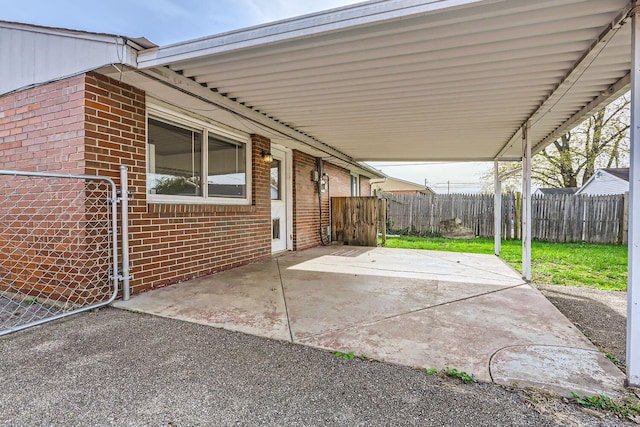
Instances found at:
x=600 y=141
x=511 y=177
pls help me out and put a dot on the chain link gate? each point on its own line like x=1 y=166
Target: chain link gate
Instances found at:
x=58 y=246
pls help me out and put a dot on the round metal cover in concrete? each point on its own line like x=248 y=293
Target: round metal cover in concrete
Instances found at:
x=557 y=369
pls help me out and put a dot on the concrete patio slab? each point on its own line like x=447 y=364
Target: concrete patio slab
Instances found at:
x=247 y=299
x=565 y=367
x=418 y=308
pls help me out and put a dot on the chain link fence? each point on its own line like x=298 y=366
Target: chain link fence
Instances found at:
x=58 y=246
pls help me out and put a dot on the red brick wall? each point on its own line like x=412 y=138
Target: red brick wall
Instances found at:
x=92 y=124
x=42 y=129
x=339 y=180
x=365 y=186
x=306 y=220
x=305 y=202
x=171 y=243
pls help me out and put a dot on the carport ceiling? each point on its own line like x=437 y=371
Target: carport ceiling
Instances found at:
x=429 y=80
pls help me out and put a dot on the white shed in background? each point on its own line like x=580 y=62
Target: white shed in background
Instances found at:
x=606 y=181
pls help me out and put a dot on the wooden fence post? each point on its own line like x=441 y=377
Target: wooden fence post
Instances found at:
x=383 y=220
x=518 y=225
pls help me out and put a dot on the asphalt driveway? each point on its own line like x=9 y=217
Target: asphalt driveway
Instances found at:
x=128 y=369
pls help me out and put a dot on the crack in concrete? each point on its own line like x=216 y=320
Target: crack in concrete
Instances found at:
x=284 y=300
x=373 y=322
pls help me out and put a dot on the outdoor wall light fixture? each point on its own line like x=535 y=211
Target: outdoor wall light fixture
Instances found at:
x=267 y=156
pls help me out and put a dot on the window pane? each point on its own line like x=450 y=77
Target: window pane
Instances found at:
x=227 y=168
x=275 y=179
x=175 y=160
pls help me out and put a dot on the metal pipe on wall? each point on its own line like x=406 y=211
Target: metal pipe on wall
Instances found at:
x=124 y=216
x=326 y=175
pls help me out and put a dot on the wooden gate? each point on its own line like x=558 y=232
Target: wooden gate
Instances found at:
x=354 y=220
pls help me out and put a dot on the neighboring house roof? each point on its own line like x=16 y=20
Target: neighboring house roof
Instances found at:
x=395 y=184
x=556 y=191
x=606 y=181
x=622 y=173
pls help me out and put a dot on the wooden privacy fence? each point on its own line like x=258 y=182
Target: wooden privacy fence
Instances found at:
x=354 y=220
x=568 y=218
x=555 y=218
x=420 y=214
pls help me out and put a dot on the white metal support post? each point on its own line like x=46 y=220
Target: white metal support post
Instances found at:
x=497 y=208
x=526 y=202
x=633 y=285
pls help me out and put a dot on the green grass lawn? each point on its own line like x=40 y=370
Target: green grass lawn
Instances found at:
x=575 y=264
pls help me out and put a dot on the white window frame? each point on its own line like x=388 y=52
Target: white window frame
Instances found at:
x=357 y=182
x=180 y=119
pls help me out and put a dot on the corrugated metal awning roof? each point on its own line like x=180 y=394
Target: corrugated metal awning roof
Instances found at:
x=428 y=80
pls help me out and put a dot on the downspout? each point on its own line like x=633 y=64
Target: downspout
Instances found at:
x=376 y=181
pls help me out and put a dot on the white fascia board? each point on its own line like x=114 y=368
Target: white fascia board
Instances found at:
x=368 y=171
x=304 y=26
x=358 y=168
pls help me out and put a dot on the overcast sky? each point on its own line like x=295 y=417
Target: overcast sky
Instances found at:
x=169 y=21
x=161 y=21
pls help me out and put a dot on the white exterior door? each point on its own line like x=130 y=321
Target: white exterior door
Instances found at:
x=279 y=191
